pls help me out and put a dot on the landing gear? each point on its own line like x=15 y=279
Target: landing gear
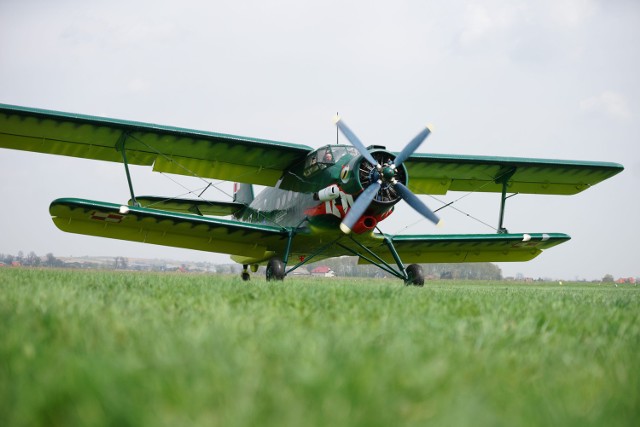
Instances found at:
x=275 y=269
x=245 y=273
x=415 y=276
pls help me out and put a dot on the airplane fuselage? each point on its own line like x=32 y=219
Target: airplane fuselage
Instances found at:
x=321 y=190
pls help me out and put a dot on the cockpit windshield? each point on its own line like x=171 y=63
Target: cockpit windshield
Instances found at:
x=326 y=156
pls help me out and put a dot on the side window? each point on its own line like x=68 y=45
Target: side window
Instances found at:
x=319 y=159
x=311 y=164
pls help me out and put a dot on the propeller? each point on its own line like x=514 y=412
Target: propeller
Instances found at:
x=384 y=174
x=353 y=139
x=359 y=207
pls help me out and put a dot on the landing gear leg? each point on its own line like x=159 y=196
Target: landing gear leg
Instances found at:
x=275 y=269
x=245 y=272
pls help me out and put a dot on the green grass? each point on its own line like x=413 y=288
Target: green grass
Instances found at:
x=105 y=348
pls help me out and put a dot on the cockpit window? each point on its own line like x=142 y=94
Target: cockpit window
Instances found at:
x=326 y=156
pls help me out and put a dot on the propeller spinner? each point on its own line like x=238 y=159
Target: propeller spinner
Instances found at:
x=384 y=175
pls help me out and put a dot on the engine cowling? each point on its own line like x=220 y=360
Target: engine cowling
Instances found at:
x=387 y=196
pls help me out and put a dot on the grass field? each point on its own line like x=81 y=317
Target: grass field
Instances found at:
x=106 y=348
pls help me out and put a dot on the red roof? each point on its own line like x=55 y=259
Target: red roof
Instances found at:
x=322 y=269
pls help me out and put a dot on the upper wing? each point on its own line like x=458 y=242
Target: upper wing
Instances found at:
x=145 y=225
x=439 y=173
x=168 y=149
x=469 y=247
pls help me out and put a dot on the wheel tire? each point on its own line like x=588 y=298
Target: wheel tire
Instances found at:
x=246 y=276
x=415 y=276
x=275 y=269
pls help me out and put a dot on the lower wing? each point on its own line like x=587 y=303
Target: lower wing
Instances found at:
x=160 y=227
x=469 y=247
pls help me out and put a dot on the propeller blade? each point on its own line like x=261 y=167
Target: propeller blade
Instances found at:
x=416 y=203
x=412 y=146
x=358 y=208
x=353 y=139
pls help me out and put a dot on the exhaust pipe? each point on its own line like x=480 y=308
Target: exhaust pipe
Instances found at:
x=365 y=223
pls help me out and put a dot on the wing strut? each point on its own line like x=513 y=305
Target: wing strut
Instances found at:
x=291 y=233
x=401 y=273
x=120 y=146
x=503 y=178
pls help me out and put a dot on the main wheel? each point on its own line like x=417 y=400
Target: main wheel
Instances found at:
x=275 y=269
x=415 y=276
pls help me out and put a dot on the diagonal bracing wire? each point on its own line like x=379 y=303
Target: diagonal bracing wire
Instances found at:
x=450 y=205
x=195 y=175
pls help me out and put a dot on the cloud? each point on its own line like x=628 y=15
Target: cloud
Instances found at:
x=608 y=103
x=482 y=22
x=526 y=31
x=138 y=85
x=572 y=13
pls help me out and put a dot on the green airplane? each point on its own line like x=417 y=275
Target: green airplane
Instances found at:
x=319 y=203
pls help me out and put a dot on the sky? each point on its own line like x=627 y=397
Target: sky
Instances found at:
x=549 y=79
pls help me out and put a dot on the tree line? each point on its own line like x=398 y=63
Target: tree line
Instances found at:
x=349 y=267
x=343 y=267
x=31 y=260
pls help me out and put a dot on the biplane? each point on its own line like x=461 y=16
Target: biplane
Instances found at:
x=318 y=203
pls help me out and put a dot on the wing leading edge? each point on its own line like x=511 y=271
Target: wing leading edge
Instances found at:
x=167 y=149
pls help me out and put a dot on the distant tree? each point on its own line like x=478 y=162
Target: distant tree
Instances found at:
x=608 y=278
x=121 y=263
x=32 y=259
x=51 y=260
